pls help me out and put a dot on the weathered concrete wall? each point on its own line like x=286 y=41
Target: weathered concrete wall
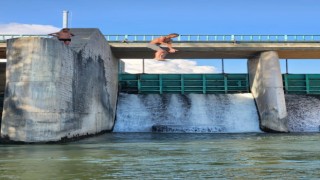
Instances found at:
x=267 y=88
x=2 y=86
x=54 y=91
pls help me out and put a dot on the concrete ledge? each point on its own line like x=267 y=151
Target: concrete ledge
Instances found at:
x=54 y=91
x=267 y=88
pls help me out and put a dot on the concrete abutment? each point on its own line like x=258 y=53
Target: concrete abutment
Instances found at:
x=267 y=88
x=54 y=91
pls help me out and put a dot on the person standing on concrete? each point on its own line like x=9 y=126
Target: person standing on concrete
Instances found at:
x=63 y=35
x=160 y=51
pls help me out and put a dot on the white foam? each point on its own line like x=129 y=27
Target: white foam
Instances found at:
x=232 y=113
x=303 y=113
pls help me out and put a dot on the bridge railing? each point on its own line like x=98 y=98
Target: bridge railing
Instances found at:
x=219 y=38
x=195 y=38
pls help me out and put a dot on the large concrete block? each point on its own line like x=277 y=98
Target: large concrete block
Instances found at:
x=267 y=88
x=54 y=91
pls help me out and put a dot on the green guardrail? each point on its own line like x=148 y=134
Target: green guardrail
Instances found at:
x=183 y=83
x=301 y=83
x=210 y=83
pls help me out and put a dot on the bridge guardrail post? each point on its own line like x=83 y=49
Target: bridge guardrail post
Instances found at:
x=232 y=38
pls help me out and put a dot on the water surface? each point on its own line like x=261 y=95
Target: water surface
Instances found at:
x=167 y=156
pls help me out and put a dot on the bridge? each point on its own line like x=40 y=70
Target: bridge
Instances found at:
x=208 y=46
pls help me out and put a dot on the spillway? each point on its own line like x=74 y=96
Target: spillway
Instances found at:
x=192 y=113
x=303 y=113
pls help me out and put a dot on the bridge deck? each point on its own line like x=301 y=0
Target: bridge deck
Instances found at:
x=212 y=50
x=207 y=50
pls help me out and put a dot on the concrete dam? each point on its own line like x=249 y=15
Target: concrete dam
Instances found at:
x=55 y=92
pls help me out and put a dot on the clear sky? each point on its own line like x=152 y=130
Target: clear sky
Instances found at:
x=180 y=16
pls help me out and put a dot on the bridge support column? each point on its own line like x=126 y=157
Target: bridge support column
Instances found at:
x=267 y=89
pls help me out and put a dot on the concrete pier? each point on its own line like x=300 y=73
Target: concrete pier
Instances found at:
x=54 y=91
x=267 y=88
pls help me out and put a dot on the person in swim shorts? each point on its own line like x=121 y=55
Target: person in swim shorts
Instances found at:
x=160 y=51
x=63 y=35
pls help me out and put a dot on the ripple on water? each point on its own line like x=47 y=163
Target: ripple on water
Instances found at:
x=167 y=156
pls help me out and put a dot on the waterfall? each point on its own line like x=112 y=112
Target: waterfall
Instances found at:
x=192 y=113
x=303 y=113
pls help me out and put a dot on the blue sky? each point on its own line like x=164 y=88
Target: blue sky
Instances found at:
x=180 y=16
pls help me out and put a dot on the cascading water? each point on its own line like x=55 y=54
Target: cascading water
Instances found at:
x=303 y=113
x=194 y=113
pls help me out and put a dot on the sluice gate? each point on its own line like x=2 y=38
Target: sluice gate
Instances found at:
x=210 y=83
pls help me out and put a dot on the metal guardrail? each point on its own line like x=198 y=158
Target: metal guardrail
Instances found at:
x=210 y=83
x=196 y=38
x=183 y=83
x=220 y=38
x=301 y=83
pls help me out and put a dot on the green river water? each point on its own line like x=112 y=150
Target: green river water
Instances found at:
x=167 y=156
